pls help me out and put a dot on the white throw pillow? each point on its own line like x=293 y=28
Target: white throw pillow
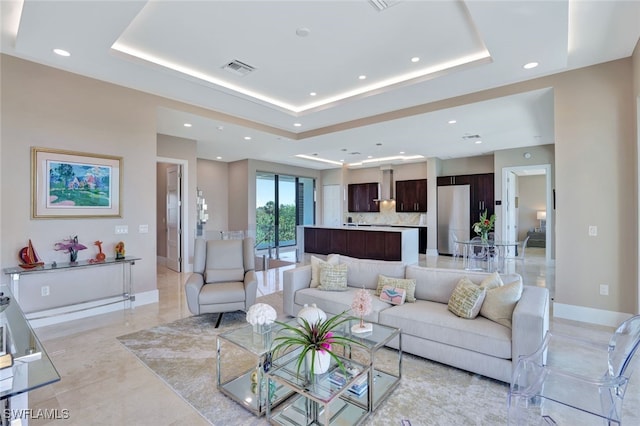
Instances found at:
x=315 y=268
x=500 y=302
x=492 y=281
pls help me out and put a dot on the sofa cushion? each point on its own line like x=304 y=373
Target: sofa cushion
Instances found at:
x=223 y=275
x=409 y=285
x=439 y=325
x=437 y=284
x=226 y=292
x=337 y=302
x=364 y=272
x=466 y=299
x=500 y=302
x=316 y=262
x=333 y=277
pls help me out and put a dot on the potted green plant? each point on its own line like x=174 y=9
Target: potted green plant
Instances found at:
x=316 y=341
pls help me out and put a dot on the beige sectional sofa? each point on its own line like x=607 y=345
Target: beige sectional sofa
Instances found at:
x=429 y=329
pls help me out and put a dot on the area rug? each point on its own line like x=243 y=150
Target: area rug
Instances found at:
x=183 y=355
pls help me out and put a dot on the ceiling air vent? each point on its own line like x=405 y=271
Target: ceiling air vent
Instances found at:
x=381 y=5
x=238 y=68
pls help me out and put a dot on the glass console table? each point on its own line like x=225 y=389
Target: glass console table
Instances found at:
x=127 y=296
x=31 y=367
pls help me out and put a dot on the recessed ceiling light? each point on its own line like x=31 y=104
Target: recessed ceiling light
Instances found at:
x=61 y=52
x=530 y=65
x=342 y=161
x=401 y=152
x=220 y=128
x=369 y=156
x=247 y=138
x=478 y=142
x=303 y=32
x=415 y=59
x=362 y=77
x=452 y=121
x=218 y=158
x=187 y=124
x=297 y=124
x=312 y=94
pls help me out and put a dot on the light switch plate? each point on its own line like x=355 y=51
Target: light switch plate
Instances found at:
x=122 y=229
x=593 y=231
x=143 y=229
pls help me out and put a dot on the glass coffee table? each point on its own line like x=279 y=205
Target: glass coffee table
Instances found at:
x=324 y=402
x=242 y=356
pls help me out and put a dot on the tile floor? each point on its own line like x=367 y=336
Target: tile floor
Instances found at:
x=103 y=384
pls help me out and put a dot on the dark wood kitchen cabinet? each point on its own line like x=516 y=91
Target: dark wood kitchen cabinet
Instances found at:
x=411 y=196
x=362 y=196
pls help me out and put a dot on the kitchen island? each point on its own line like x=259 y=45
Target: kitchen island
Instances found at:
x=364 y=242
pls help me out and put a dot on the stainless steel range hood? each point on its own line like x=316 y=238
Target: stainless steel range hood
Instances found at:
x=386 y=186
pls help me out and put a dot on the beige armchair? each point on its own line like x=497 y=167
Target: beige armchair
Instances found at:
x=223 y=279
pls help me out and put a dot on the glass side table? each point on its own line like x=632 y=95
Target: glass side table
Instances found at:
x=318 y=400
x=243 y=355
x=384 y=367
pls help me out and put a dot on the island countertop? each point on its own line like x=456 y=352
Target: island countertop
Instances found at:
x=385 y=228
x=364 y=242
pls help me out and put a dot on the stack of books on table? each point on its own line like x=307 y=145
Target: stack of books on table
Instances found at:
x=358 y=388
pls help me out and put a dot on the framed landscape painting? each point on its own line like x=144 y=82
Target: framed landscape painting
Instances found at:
x=68 y=184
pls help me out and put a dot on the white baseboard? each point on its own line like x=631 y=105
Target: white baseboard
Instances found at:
x=88 y=309
x=589 y=315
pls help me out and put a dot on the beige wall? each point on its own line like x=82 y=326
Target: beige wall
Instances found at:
x=49 y=108
x=595 y=185
x=467 y=166
x=213 y=181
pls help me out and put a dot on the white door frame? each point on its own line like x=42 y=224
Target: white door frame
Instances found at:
x=549 y=200
x=185 y=211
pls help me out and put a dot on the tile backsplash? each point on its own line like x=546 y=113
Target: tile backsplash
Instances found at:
x=387 y=216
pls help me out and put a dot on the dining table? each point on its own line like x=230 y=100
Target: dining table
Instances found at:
x=489 y=255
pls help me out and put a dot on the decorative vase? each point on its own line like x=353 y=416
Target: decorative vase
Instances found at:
x=73 y=255
x=321 y=362
x=484 y=236
x=312 y=314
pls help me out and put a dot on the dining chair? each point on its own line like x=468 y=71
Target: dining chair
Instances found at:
x=520 y=252
x=548 y=389
x=477 y=254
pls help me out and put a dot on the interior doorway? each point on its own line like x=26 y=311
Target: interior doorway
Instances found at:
x=171 y=213
x=525 y=214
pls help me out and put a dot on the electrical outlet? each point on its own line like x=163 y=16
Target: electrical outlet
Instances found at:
x=593 y=231
x=122 y=229
x=604 y=290
x=44 y=290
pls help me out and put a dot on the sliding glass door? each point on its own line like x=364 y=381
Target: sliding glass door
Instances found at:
x=282 y=203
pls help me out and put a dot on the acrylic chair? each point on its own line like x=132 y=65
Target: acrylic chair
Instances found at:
x=539 y=392
x=477 y=254
x=520 y=252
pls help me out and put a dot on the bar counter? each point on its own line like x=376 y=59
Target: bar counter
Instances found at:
x=364 y=242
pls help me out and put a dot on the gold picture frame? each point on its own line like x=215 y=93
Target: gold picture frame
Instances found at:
x=72 y=185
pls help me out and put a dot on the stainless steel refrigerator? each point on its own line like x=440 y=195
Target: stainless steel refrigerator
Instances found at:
x=453 y=216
